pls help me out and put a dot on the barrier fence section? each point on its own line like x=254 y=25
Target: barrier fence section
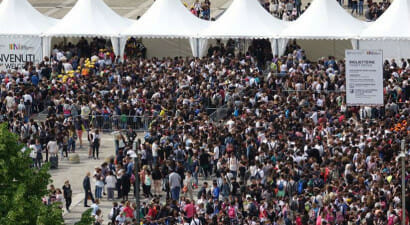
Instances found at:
x=111 y=122
x=120 y=122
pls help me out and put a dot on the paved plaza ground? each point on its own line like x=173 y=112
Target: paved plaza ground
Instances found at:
x=75 y=174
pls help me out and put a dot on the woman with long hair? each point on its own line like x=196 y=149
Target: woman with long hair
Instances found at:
x=147 y=184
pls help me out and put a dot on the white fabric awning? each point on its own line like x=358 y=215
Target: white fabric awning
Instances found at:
x=89 y=18
x=245 y=19
x=166 y=19
x=394 y=24
x=20 y=18
x=326 y=20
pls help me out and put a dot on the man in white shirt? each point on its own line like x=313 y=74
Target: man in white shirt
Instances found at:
x=233 y=165
x=215 y=156
x=155 y=148
x=28 y=100
x=52 y=148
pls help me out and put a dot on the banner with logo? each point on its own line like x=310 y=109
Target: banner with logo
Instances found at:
x=364 y=77
x=16 y=51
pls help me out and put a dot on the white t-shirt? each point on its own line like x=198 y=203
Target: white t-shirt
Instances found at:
x=27 y=98
x=155 y=149
x=33 y=152
x=10 y=102
x=111 y=181
x=52 y=147
x=216 y=153
x=196 y=221
x=67 y=67
x=233 y=164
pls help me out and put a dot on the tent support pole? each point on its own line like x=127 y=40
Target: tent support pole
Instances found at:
x=277 y=47
x=119 y=48
x=358 y=44
x=42 y=48
x=197 y=47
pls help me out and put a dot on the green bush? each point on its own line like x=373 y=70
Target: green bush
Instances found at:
x=86 y=218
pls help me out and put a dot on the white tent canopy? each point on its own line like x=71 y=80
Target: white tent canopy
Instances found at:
x=169 y=19
x=394 y=24
x=245 y=19
x=325 y=19
x=20 y=18
x=21 y=26
x=91 y=18
x=390 y=32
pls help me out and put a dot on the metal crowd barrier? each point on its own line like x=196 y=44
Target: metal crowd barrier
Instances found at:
x=219 y=113
x=119 y=122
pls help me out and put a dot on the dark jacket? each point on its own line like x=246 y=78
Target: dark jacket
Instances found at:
x=125 y=181
x=86 y=183
x=67 y=192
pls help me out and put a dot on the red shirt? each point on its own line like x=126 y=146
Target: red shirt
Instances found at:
x=298 y=221
x=190 y=210
x=128 y=212
x=152 y=212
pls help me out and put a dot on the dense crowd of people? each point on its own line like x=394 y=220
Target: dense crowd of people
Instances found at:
x=201 y=9
x=375 y=9
x=288 y=150
x=290 y=10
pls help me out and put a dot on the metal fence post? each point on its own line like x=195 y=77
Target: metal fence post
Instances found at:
x=403 y=181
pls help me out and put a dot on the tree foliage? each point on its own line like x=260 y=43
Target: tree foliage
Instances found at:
x=86 y=218
x=21 y=187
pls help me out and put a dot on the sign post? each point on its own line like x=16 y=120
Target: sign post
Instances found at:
x=364 y=78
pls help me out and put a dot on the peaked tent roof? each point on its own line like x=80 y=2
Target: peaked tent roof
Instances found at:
x=89 y=18
x=245 y=19
x=394 y=24
x=20 y=18
x=166 y=19
x=325 y=19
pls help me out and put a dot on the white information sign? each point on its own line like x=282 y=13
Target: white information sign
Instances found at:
x=16 y=51
x=364 y=77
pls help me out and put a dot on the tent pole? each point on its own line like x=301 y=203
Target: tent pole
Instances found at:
x=119 y=48
x=197 y=47
x=277 y=46
x=357 y=44
x=42 y=48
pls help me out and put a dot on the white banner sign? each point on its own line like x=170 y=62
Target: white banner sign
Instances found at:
x=16 y=51
x=364 y=77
